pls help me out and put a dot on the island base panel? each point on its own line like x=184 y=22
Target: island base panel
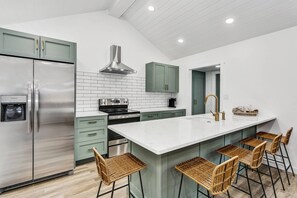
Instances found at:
x=161 y=180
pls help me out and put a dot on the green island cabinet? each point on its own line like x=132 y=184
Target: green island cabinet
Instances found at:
x=37 y=47
x=155 y=115
x=90 y=132
x=161 y=77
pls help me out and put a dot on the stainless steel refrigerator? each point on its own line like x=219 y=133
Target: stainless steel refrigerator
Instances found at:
x=36 y=120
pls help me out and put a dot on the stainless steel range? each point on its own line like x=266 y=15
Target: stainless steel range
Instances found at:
x=118 y=113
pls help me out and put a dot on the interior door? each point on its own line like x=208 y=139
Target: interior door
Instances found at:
x=16 y=143
x=54 y=118
x=198 y=92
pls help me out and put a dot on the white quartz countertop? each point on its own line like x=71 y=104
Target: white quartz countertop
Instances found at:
x=158 y=109
x=166 y=135
x=90 y=114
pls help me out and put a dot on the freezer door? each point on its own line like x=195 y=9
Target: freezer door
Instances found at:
x=54 y=118
x=16 y=143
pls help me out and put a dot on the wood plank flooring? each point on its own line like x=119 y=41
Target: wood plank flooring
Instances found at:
x=84 y=184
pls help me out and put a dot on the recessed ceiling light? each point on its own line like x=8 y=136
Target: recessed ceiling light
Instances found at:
x=229 y=20
x=180 y=40
x=151 y=8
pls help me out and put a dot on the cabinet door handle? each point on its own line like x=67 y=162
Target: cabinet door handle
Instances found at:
x=92 y=122
x=42 y=45
x=37 y=44
x=92 y=134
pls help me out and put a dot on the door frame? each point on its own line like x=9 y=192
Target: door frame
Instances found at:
x=222 y=64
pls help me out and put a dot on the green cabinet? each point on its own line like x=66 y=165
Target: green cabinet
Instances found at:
x=90 y=132
x=54 y=49
x=19 y=43
x=37 y=47
x=162 y=114
x=161 y=78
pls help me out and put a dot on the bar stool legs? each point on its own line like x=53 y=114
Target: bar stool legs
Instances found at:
x=270 y=174
x=141 y=184
x=248 y=180
x=261 y=182
x=99 y=188
x=180 y=185
x=288 y=157
x=279 y=174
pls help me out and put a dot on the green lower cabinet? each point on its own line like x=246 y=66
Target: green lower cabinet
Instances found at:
x=162 y=114
x=84 y=150
x=90 y=132
x=149 y=116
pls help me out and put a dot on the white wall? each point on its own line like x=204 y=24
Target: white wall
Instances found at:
x=261 y=71
x=94 y=33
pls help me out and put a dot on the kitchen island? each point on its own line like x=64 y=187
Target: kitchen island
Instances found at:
x=162 y=144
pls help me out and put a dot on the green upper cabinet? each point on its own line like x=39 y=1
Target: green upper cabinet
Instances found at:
x=54 y=49
x=161 y=78
x=19 y=43
x=28 y=45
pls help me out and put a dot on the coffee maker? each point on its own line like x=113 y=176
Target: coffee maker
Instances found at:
x=172 y=102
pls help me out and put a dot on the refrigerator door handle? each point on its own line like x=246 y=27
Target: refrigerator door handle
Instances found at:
x=36 y=120
x=29 y=112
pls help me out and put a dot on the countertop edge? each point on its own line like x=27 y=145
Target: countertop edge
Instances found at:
x=161 y=152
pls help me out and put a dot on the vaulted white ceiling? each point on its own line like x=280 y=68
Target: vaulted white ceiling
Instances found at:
x=17 y=11
x=201 y=23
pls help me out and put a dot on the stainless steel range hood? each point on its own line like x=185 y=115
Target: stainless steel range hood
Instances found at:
x=116 y=66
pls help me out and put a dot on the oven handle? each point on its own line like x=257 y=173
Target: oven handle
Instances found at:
x=29 y=103
x=119 y=117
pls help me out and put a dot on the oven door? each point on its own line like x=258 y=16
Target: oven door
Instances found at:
x=117 y=144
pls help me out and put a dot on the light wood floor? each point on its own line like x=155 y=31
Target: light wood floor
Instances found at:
x=84 y=184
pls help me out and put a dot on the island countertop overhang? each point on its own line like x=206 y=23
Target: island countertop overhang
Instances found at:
x=167 y=135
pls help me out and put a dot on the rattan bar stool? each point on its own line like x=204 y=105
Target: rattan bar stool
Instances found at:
x=216 y=179
x=284 y=142
x=271 y=148
x=248 y=160
x=113 y=169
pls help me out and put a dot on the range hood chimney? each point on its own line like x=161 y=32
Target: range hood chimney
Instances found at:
x=116 y=66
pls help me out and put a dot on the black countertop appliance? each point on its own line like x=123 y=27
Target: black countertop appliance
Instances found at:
x=172 y=102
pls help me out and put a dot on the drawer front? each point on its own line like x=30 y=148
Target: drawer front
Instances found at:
x=149 y=116
x=89 y=134
x=169 y=114
x=180 y=113
x=91 y=122
x=85 y=150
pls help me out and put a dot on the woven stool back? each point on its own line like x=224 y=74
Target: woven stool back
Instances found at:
x=257 y=155
x=288 y=135
x=102 y=168
x=275 y=144
x=224 y=175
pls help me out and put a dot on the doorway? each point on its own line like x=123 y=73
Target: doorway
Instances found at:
x=205 y=81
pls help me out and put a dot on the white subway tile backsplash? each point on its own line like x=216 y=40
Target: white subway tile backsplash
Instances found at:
x=93 y=86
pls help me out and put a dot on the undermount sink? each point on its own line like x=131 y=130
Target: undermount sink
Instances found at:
x=208 y=118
